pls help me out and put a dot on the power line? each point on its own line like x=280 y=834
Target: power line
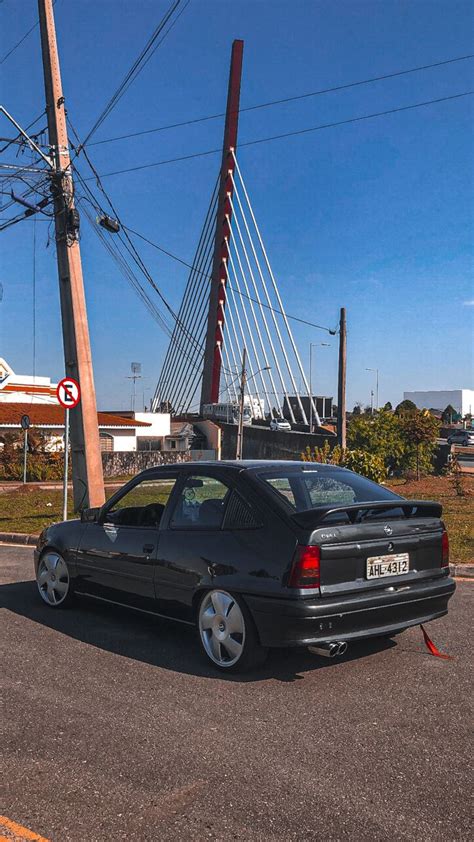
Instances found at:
x=23 y=38
x=238 y=291
x=134 y=254
x=134 y=71
x=294 y=98
x=289 y=134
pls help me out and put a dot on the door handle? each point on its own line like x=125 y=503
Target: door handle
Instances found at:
x=148 y=548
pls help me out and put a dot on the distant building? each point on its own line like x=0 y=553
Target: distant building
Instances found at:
x=182 y=437
x=323 y=405
x=25 y=388
x=462 y=400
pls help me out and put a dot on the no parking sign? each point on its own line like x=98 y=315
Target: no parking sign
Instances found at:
x=68 y=392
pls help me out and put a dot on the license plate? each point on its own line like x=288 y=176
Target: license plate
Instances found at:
x=379 y=566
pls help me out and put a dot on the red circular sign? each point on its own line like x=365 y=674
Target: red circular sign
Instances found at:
x=68 y=392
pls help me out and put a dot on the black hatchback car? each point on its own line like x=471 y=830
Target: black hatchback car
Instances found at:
x=256 y=555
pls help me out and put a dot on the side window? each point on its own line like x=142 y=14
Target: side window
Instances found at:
x=200 y=504
x=143 y=505
x=239 y=515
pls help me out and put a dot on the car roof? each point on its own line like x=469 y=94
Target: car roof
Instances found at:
x=251 y=465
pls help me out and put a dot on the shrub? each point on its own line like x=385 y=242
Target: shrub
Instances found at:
x=367 y=464
x=40 y=467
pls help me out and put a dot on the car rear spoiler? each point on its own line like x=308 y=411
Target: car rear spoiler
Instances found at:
x=410 y=508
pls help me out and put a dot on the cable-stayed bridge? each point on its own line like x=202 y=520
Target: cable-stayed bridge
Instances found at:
x=231 y=302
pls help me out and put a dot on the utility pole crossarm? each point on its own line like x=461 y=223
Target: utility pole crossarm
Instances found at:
x=28 y=139
x=88 y=483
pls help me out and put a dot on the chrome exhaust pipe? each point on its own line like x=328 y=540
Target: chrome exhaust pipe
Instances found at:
x=328 y=650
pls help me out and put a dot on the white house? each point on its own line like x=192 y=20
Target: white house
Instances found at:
x=22 y=394
x=20 y=388
x=115 y=433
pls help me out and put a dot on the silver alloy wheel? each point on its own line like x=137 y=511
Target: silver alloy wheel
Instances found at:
x=52 y=578
x=222 y=628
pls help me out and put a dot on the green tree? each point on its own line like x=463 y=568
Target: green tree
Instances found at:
x=420 y=432
x=388 y=407
x=406 y=407
x=379 y=434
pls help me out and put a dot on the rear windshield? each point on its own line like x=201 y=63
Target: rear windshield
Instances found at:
x=310 y=487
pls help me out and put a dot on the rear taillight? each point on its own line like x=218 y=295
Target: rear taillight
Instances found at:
x=444 y=549
x=305 y=568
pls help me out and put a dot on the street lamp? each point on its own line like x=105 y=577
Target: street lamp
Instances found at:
x=311 y=346
x=243 y=381
x=376 y=385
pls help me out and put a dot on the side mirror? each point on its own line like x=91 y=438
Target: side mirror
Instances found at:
x=90 y=515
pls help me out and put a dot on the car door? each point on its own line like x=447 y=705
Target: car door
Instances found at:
x=117 y=554
x=190 y=541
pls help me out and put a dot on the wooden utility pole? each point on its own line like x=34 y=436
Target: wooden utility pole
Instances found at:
x=87 y=476
x=240 y=428
x=215 y=319
x=341 y=390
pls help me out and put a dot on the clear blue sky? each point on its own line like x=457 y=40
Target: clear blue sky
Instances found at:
x=376 y=216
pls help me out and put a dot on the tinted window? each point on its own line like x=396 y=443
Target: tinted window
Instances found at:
x=307 y=488
x=200 y=504
x=143 y=505
x=239 y=515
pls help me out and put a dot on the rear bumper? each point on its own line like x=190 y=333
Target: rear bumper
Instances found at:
x=299 y=622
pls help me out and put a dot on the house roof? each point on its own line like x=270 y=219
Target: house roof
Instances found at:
x=50 y=415
x=180 y=429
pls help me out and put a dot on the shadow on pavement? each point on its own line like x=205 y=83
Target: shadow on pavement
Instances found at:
x=161 y=643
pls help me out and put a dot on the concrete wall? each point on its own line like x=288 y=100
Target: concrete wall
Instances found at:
x=159 y=424
x=265 y=444
x=124 y=439
x=213 y=434
x=127 y=463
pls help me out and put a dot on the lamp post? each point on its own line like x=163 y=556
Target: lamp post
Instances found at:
x=311 y=346
x=376 y=385
x=243 y=381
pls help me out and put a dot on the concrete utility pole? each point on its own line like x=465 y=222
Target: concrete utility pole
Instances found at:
x=215 y=320
x=240 y=428
x=87 y=476
x=341 y=390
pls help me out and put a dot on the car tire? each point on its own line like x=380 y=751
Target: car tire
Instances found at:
x=53 y=580
x=227 y=632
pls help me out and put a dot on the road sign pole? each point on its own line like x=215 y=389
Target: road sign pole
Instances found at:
x=66 y=461
x=25 y=455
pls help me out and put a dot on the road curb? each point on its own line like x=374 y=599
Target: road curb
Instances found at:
x=18 y=538
x=466 y=571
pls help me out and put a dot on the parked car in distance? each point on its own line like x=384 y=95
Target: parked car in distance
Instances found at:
x=463 y=438
x=280 y=423
x=256 y=555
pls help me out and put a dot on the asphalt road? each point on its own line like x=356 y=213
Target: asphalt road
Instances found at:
x=114 y=728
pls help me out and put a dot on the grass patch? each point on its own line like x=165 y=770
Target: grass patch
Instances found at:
x=29 y=510
x=458 y=512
